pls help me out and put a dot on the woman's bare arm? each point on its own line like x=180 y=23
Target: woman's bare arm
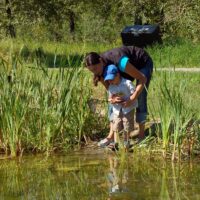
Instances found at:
x=135 y=73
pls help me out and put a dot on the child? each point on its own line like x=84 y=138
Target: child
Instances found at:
x=123 y=116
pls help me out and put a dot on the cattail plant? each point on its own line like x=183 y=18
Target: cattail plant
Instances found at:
x=43 y=109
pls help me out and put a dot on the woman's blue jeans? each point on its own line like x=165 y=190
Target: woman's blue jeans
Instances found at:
x=142 y=109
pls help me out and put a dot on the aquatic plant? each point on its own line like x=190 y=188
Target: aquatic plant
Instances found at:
x=43 y=109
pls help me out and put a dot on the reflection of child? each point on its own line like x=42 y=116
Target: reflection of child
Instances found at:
x=113 y=177
x=117 y=179
x=122 y=116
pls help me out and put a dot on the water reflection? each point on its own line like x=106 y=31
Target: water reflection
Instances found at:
x=98 y=177
x=118 y=178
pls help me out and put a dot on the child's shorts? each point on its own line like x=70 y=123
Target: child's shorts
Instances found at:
x=124 y=122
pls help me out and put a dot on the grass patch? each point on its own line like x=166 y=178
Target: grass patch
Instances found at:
x=184 y=54
x=46 y=95
x=55 y=54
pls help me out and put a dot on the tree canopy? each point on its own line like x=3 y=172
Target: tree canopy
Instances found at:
x=73 y=20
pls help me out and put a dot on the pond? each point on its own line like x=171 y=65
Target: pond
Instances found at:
x=97 y=176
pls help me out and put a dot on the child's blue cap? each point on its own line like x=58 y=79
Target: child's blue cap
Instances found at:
x=110 y=72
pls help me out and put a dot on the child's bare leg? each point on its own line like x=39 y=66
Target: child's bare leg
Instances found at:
x=111 y=133
x=115 y=137
x=126 y=140
x=128 y=123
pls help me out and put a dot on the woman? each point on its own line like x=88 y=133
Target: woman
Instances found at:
x=133 y=63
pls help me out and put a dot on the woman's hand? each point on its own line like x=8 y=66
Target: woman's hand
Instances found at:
x=129 y=101
x=135 y=73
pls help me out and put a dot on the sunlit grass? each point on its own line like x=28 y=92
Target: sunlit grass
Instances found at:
x=184 y=54
x=42 y=109
x=165 y=55
x=171 y=96
x=45 y=104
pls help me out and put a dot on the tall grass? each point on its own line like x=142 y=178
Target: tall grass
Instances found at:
x=43 y=109
x=174 y=112
x=166 y=119
x=46 y=109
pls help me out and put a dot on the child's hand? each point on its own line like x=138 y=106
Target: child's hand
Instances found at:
x=115 y=99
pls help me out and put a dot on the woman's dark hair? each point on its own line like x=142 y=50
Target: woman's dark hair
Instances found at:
x=92 y=58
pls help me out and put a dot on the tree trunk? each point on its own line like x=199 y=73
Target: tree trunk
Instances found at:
x=10 y=27
x=161 y=20
x=137 y=15
x=72 y=22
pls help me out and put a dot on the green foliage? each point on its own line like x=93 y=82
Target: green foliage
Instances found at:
x=43 y=109
x=103 y=21
x=174 y=53
x=174 y=101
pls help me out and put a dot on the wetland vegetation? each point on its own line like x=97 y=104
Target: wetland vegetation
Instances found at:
x=46 y=102
x=51 y=116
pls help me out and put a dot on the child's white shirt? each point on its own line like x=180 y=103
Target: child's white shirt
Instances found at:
x=125 y=88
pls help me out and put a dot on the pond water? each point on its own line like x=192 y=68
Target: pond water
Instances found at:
x=97 y=176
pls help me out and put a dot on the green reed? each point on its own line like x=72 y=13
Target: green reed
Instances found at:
x=165 y=115
x=46 y=109
x=181 y=117
x=43 y=109
x=174 y=115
